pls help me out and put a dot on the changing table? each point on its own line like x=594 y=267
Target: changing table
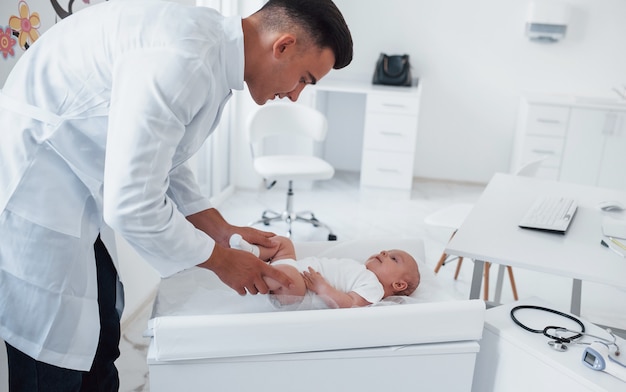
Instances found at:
x=421 y=342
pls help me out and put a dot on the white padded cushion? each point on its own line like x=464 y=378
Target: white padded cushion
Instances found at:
x=249 y=334
x=293 y=167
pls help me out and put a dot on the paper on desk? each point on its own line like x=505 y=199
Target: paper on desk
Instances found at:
x=614 y=228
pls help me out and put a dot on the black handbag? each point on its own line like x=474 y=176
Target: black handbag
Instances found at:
x=394 y=70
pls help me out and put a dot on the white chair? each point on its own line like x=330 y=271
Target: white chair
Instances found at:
x=293 y=122
x=453 y=217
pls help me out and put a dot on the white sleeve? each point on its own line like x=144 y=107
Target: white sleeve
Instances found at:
x=368 y=286
x=185 y=192
x=152 y=98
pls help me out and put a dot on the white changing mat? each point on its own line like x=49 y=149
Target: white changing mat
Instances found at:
x=196 y=316
x=198 y=291
x=232 y=335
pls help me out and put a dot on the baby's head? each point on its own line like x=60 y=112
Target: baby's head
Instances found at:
x=397 y=271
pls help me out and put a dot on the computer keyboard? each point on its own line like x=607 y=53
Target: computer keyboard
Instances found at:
x=550 y=213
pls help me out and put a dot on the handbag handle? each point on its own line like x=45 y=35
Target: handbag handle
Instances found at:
x=386 y=65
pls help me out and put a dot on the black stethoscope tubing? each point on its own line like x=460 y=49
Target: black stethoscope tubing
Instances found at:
x=558 y=339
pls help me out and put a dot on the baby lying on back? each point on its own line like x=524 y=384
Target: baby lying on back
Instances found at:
x=340 y=283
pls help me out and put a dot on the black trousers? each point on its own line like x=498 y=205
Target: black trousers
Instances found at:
x=29 y=375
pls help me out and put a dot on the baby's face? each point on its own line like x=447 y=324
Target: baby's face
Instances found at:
x=390 y=265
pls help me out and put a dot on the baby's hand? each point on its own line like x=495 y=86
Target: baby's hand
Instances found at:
x=315 y=281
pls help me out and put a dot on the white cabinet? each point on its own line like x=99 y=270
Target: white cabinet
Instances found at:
x=595 y=148
x=582 y=141
x=386 y=122
x=389 y=140
x=541 y=133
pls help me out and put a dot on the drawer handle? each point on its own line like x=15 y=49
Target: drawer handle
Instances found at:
x=548 y=121
x=394 y=105
x=380 y=169
x=546 y=152
x=391 y=133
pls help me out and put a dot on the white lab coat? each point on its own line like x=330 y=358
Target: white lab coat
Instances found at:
x=98 y=118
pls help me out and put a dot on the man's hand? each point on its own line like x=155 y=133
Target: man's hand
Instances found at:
x=242 y=271
x=211 y=222
x=255 y=236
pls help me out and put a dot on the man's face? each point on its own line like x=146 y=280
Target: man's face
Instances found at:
x=289 y=72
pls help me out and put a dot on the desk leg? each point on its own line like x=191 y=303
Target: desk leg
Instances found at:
x=499 y=282
x=477 y=279
x=577 y=286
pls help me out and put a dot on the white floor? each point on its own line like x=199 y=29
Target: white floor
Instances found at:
x=355 y=213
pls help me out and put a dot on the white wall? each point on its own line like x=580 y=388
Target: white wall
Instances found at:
x=46 y=13
x=475 y=62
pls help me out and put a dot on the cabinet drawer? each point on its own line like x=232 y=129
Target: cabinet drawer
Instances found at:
x=536 y=147
x=390 y=132
x=387 y=169
x=392 y=103
x=547 y=120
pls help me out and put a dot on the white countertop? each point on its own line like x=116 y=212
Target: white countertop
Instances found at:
x=608 y=102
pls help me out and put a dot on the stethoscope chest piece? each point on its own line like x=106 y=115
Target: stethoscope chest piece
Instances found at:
x=558 y=346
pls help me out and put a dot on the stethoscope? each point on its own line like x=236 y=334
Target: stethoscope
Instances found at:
x=596 y=356
x=556 y=334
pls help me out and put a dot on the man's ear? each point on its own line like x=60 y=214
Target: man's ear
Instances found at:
x=282 y=44
x=399 y=286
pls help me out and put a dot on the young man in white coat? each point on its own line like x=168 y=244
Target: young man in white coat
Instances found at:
x=97 y=121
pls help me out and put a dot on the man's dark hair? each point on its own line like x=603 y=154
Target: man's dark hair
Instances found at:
x=320 y=19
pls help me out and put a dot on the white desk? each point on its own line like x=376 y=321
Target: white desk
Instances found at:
x=512 y=359
x=375 y=133
x=490 y=233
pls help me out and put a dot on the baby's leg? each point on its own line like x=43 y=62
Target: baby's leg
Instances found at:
x=282 y=248
x=286 y=295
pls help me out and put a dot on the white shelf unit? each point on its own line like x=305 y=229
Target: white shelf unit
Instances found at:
x=386 y=122
x=582 y=139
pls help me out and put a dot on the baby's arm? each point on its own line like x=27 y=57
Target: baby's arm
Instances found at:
x=330 y=295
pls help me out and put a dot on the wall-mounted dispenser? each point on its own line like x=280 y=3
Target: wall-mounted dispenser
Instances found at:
x=547 y=21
